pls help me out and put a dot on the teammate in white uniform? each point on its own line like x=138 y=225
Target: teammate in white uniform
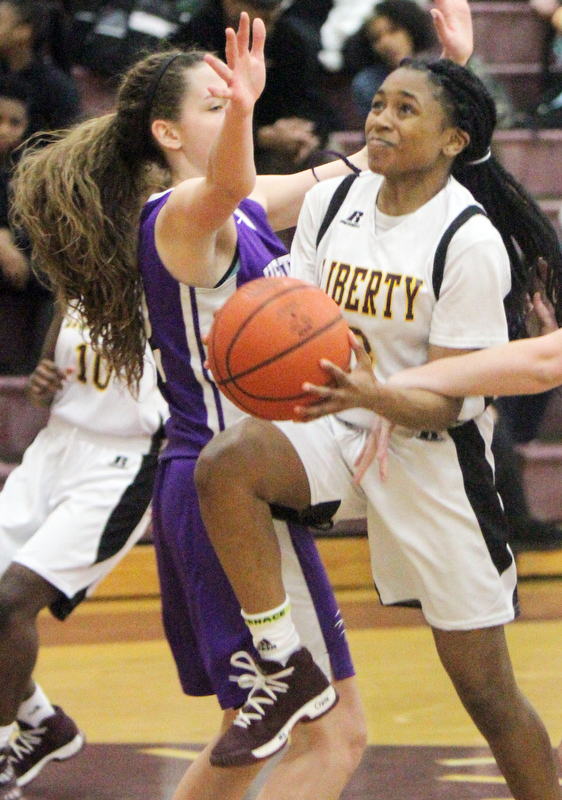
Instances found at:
x=417 y=278
x=68 y=514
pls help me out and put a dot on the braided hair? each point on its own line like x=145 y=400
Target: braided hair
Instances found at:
x=526 y=231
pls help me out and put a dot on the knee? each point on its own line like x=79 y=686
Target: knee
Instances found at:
x=354 y=747
x=22 y=595
x=226 y=461
x=12 y=606
x=342 y=749
x=338 y=741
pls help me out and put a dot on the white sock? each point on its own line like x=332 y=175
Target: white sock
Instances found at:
x=36 y=708
x=6 y=734
x=273 y=632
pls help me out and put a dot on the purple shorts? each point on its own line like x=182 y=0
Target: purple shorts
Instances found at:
x=201 y=614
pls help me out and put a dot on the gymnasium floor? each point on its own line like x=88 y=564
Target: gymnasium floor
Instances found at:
x=109 y=667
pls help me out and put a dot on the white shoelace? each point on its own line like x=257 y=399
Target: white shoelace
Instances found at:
x=256 y=681
x=25 y=742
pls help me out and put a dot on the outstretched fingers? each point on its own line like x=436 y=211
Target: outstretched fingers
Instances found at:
x=375 y=449
x=453 y=23
x=258 y=38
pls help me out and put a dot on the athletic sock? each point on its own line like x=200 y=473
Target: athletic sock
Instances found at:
x=273 y=632
x=6 y=734
x=36 y=708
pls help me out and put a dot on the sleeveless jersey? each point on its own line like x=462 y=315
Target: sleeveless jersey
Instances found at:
x=93 y=399
x=180 y=317
x=382 y=281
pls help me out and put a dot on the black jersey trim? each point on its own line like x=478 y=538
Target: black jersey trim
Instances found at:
x=232 y=268
x=442 y=247
x=122 y=521
x=335 y=203
x=479 y=484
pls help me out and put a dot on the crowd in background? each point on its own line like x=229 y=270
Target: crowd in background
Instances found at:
x=325 y=59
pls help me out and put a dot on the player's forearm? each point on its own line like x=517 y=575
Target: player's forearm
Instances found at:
x=524 y=367
x=233 y=174
x=415 y=408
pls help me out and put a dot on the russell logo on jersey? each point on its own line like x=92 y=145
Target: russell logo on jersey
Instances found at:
x=353 y=220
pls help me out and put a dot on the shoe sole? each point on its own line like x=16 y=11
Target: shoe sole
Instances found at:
x=310 y=712
x=67 y=751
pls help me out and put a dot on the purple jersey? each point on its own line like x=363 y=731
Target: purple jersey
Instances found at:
x=181 y=316
x=201 y=614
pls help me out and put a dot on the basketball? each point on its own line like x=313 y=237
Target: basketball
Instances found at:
x=268 y=339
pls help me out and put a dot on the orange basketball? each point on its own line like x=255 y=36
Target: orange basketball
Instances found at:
x=268 y=339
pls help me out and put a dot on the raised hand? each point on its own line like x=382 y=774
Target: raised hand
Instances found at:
x=244 y=71
x=453 y=23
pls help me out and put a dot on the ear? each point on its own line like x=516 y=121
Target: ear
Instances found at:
x=166 y=134
x=458 y=140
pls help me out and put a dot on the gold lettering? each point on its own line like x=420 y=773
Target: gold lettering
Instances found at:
x=411 y=295
x=392 y=280
x=339 y=283
x=333 y=265
x=371 y=293
x=352 y=304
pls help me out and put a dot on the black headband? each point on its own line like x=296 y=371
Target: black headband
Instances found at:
x=151 y=94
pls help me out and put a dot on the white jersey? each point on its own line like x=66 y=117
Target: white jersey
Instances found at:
x=437 y=532
x=93 y=399
x=393 y=309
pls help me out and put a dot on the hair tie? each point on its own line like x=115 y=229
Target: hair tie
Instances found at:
x=477 y=161
x=156 y=82
x=343 y=158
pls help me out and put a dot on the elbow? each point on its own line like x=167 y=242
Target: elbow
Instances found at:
x=234 y=192
x=547 y=375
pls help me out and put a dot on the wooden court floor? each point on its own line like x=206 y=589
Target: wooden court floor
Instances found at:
x=110 y=668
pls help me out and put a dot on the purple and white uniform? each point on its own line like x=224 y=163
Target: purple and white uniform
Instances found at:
x=201 y=613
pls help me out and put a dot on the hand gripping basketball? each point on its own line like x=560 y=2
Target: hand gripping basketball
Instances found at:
x=268 y=339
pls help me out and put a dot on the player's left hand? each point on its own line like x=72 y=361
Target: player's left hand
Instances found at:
x=375 y=448
x=244 y=71
x=355 y=389
x=44 y=382
x=453 y=24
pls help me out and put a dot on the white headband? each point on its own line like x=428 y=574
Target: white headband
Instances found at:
x=480 y=160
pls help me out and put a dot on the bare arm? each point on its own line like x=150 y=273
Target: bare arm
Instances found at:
x=359 y=389
x=195 y=232
x=528 y=366
x=283 y=195
x=14 y=263
x=46 y=379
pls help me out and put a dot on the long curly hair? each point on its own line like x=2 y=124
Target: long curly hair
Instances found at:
x=79 y=200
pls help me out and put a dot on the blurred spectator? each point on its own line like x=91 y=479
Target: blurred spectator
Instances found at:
x=33 y=44
x=344 y=20
x=25 y=304
x=107 y=38
x=397 y=29
x=292 y=118
x=549 y=111
x=310 y=16
x=400 y=29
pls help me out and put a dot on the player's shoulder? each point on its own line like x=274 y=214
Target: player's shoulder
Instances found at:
x=458 y=200
x=320 y=195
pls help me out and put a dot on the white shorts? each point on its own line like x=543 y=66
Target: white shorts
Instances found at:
x=437 y=532
x=74 y=507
